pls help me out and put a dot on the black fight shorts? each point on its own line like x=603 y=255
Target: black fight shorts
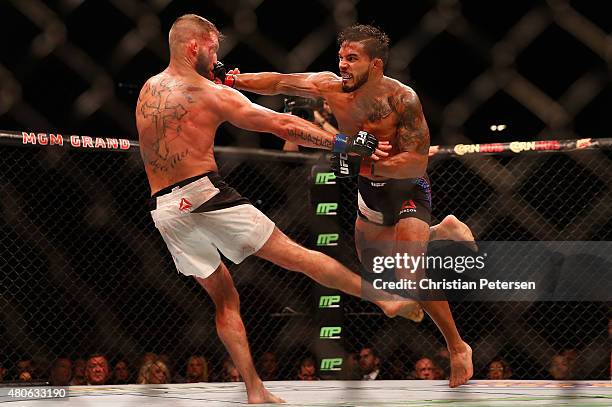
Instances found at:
x=386 y=202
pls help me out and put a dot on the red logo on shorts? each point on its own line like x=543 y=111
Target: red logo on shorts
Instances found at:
x=408 y=205
x=184 y=205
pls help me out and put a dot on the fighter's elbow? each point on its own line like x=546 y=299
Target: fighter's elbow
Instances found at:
x=276 y=85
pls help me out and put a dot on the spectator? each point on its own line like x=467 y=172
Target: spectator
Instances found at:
x=498 y=369
x=164 y=357
x=369 y=364
x=197 y=369
x=148 y=357
x=97 y=371
x=439 y=373
x=424 y=369
x=559 y=368
x=268 y=367
x=61 y=372
x=176 y=376
x=307 y=370
x=25 y=364
x=230 y=372
x=442 y=362
x=3 y=372
x=350 y=370
x=234 y=375
x=24 y=376
x=154 y=372
x=570 y=354
x=78 y=373
x=396 y=370
x=121 y=372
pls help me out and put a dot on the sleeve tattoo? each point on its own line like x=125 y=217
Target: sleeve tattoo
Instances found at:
x=412 y=131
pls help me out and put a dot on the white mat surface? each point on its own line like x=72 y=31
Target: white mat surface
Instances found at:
x=341 y=393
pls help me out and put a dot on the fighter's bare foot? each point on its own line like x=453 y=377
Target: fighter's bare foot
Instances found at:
x=408 y=309
x=461 y=366
x=264 y=396
x=458 y=231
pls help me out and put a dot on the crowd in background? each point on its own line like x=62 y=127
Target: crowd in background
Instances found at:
x=152 y=368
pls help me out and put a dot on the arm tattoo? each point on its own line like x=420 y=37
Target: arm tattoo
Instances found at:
x=297 y=135
x=161 y=105
x=412 y=130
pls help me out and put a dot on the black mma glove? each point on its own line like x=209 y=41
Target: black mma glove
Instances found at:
x=362 y=143
x=344 y=165
x=219 y=75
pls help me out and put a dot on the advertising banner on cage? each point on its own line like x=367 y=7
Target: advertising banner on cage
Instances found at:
x=496 y=271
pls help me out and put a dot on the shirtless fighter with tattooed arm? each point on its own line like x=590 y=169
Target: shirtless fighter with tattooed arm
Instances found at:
x=394 y=195
x=198 y=214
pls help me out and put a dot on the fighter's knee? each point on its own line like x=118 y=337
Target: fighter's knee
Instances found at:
x=229 y=303
x=450 y=220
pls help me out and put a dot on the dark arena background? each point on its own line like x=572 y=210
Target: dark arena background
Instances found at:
x=516 y=94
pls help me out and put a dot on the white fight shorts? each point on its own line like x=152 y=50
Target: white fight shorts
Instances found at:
x=202 y=216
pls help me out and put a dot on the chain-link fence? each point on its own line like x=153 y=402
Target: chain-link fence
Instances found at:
x=472 y=64
x=548 y=196
x=84 y=270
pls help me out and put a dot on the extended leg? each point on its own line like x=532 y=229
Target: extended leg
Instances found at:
x=232 y=333
x=286 y=253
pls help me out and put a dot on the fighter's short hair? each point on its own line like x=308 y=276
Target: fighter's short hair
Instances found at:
x=375 y=41
x=187 y=25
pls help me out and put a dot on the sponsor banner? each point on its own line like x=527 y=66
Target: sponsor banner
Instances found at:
x=329 y=301
x=518 y=147
x=330 y=332
x=328 y=239
x=327 y=208
x=322 y=174
x=461 y=149
x=497 y=271
x=331 y=364
x=325 y=178
x=57 y=139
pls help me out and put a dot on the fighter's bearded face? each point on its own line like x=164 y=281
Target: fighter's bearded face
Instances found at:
x=354 y=64
x=207 y=55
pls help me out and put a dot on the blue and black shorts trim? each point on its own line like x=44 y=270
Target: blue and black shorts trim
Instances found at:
x=386 y=202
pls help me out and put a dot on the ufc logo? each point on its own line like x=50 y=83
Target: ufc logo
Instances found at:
x=344 y=167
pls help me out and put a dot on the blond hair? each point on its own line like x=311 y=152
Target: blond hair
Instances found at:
x=144 y=375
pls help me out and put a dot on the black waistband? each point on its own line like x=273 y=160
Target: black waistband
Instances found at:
x=392 y=181
x=226 y=198
x=212 y=175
